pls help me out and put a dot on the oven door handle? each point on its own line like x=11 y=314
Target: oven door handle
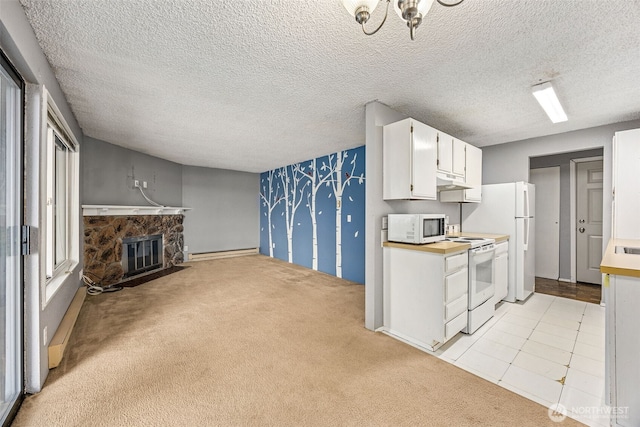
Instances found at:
x=479 y=256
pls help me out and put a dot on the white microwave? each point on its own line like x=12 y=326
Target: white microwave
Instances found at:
x=417 y=229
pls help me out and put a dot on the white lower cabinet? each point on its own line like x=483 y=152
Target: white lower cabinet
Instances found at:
x=425 y=295
x=623 y=348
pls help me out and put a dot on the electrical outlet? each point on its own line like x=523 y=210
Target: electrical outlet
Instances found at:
x=186 y=248
x=384 y=222
x=136 y=183
x=144 y=184
x=44 y=336
x=80 y=274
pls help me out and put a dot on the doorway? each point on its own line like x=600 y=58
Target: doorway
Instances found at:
x=565 y=283
x=11 y=300
x=589 y=180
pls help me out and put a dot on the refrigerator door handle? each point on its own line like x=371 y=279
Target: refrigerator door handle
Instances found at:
x=526 y=234
x=526 y=204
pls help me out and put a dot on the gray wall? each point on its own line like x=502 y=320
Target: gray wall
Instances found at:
x=19 y=43
x=226 y=210
x=376 y=116
x=108 y=172
x=564 y=162
x=510 y=162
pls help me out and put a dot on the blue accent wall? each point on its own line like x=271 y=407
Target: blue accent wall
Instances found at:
x=312 y=213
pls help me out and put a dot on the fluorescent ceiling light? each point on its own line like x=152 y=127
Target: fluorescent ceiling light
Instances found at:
x=548 y=99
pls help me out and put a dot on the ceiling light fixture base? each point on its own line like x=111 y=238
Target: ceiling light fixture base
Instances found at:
x=410 y=11
x=362 y=15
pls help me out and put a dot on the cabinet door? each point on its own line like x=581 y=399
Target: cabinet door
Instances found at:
x=424 y=158
x=459 y=157
x=445 y=152
x=473 y=175
x=626 y=201
x=396 y=160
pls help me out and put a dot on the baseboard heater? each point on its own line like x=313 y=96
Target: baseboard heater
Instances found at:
x=222 y=254
x=60 y=339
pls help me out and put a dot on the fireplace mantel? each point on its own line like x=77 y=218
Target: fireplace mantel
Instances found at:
x=104 y=210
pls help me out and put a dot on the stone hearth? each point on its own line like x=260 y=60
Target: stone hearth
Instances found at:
x=103 y=236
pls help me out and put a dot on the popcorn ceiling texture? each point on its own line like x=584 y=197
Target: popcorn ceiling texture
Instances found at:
x=253 y=85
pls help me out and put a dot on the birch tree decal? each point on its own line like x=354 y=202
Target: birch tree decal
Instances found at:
x=339 y=182
x=330 y=238
x=270 y=198
x=291 y=177
x=317 y=177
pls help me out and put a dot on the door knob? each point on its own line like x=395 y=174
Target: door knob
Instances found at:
x=581 y=229
x=581 y=221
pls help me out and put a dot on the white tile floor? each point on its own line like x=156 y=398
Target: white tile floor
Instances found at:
x=547 y=349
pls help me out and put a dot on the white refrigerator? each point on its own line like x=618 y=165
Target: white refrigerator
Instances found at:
x=508 y=209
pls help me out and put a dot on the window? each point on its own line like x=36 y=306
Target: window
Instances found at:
x=61 y=204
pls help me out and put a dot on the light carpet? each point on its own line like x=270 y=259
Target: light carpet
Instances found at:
x=255 y=341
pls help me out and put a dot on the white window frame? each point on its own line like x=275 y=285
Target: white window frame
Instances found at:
x=58 y=134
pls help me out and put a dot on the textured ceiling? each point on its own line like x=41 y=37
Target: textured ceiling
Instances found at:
x=253 y=85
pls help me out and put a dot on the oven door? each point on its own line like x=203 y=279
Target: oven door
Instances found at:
x=481 y=275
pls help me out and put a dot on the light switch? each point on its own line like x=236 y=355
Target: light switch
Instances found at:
x=348 y=218
x=384 y=222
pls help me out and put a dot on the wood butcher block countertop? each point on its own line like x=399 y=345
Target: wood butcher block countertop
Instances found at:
x=621 y=264
x=446 y=247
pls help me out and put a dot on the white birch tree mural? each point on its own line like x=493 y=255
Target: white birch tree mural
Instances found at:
x=271 y=197
x=324 y=184
x=316 y=180
x=339 y=183
x=291 y=177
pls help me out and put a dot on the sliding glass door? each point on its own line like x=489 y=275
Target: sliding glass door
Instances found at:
x=10 y=250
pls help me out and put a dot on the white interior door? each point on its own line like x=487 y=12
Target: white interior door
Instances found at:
x=547 y=214
x=589 y=177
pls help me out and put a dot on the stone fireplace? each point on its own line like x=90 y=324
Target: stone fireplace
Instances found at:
x=105 y=234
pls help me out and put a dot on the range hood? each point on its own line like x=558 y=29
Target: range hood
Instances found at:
x=450 y=182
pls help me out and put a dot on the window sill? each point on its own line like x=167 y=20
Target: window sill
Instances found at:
x=56 y=282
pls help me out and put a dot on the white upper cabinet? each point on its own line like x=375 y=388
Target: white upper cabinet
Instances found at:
x=445 y=152
x=626 y=191
x=459 y=157
x=451 y=155
x=419 y=160
x=409 y=159
x=473 y=178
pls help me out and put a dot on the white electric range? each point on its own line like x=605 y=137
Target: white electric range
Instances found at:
x=481 y=280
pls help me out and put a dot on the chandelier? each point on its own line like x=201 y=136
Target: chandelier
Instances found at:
x=410 y=11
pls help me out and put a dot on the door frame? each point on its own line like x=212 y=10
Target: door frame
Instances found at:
x=573 y=166
x=17 y=78
x=538 y=222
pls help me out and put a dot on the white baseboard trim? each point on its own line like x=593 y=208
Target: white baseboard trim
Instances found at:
x=560 y=279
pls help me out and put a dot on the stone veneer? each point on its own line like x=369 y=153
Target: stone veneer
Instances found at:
x=103 y=242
